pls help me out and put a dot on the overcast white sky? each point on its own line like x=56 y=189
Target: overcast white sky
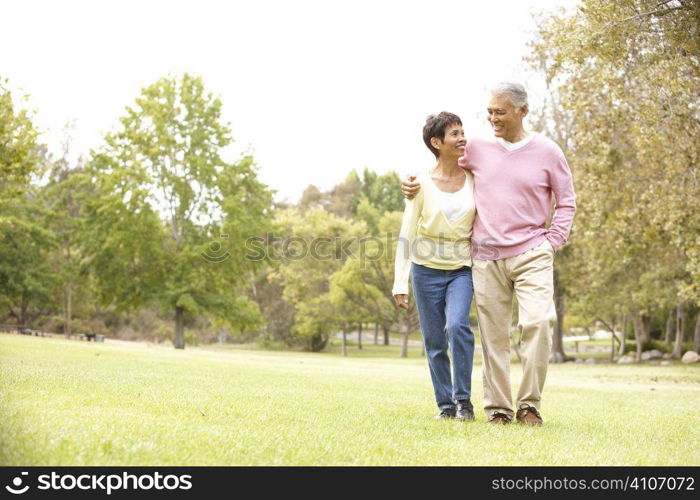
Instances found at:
x=313 y=88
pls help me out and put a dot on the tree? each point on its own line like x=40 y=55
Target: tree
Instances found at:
x=277 y=313
x=696 y=335
x=340 y=200
x=365 y=281
x=170 y=217
x=19 y=156
x=60 y=196
x=294 y=313
x=311 y=247
x=26 y=277
x=384 y=192
x=554 y=121
x=625 y=77
x=680 y=331
x=347 y=312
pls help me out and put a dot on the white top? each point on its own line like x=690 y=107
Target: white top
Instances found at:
x=453 y=203
x=512 y=146
x=428 y=237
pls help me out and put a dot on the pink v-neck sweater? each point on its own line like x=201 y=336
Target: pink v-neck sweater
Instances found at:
x=513 y=193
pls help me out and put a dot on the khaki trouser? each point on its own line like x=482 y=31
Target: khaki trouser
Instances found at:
x=530 y=276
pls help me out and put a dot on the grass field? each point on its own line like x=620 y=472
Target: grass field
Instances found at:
x=76 y=403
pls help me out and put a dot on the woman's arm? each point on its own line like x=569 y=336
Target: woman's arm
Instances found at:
x=402 y=260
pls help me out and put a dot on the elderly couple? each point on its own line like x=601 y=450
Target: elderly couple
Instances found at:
x=481 y=214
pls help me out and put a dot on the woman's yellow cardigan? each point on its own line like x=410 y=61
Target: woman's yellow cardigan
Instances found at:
x=428 y=238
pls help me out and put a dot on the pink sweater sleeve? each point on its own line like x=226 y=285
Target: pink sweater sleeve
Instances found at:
x=565 y=208
x=462 y=161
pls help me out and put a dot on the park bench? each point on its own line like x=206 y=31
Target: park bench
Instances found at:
x=90 y=337
x=28 y=331
x=22 y=330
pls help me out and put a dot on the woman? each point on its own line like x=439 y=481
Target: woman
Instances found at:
x=434 y=246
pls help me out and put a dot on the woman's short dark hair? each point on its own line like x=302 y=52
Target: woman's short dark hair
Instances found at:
x=435 y=126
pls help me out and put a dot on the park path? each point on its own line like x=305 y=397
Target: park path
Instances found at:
x=368 y=338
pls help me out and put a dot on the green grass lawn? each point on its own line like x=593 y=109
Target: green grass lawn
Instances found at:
x=77 y=403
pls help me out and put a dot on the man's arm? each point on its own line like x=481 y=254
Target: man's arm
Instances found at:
x=410 y=187
x=565 y=208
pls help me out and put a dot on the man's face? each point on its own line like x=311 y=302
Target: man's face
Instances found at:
x=505 y=119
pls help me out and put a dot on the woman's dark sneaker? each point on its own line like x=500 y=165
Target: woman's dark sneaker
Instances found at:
x=465 y=410
x=446 y=414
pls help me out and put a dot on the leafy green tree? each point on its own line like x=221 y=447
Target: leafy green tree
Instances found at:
x=365 y=281
x=65 y=219
x=339 y=200
x=345 y=198
x=625 y=78
x=313 y=245
x=26 y=276
x=19 y=156
x=170 y=216
x=384 y=193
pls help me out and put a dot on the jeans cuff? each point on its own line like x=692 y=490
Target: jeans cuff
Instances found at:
x=447 y=407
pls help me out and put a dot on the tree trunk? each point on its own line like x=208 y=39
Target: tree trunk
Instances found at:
x=376 y=333
x=558 y=355
x=646 y=329
x=405 y=330
x=343 y=345
x=638 y=327
x=23 y=313
x=696 y=338
x=68 y=327
x=670 y=323
x=359 y=336
x=623 y=336
x=613 y=338
x=179 y=341
x=385 y=330
x=680 y=326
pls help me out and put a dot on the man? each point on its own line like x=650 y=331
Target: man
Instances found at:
x=515 y=176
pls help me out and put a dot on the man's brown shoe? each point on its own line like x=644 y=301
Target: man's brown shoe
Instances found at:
x=498 y=418
x=528 y=415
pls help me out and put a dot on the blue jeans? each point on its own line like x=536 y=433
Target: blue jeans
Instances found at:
x=443 y=299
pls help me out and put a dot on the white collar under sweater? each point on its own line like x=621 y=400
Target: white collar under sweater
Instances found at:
x=512 y=146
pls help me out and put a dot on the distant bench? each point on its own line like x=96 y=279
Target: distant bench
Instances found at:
x=25 y=330
x=21 y=329
x=90 y=337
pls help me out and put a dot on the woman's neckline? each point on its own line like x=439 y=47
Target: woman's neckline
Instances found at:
x=464 y=184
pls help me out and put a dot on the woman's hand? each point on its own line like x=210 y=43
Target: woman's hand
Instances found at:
x=409 y=187
x=401 y=301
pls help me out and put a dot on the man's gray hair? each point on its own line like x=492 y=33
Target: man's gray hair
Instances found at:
x=516 y=91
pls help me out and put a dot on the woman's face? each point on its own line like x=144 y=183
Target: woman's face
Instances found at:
x=453 y=144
